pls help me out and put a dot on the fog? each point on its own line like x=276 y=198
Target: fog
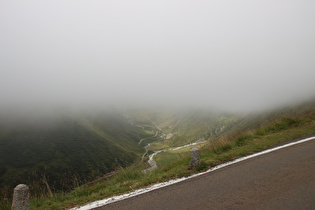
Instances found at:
x=232 y=55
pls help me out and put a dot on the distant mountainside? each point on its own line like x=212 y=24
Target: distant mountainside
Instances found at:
x=256 y=120
x=67 y=151
x=180 y=127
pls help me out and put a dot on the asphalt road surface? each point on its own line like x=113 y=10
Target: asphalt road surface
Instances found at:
x=283 y=179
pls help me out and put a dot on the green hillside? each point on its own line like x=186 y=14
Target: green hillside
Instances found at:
x=67 y=152
x=186 y=126
x=242 y=136
x=72 y=150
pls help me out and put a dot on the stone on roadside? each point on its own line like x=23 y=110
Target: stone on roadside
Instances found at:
x=195 y=158
x=20 y=198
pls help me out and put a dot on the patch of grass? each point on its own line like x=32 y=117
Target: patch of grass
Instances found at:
x=221 y=147
x=280 y=125
x=241 y=140
x=203 y=166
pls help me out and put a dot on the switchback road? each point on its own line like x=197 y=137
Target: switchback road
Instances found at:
x=282 y=179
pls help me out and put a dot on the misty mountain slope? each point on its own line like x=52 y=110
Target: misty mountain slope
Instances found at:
x=199 y=125
x=184 y=127
x=67 y=149
x=116 y=130
x=260 y=119
x=73 y=149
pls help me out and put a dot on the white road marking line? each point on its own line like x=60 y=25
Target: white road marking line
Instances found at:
x=113 y=199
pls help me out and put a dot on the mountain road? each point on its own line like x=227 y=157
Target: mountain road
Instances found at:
x=282 y=179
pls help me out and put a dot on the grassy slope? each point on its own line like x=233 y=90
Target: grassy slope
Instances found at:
x=188 y=126
x=68 y=152
x=175 y=164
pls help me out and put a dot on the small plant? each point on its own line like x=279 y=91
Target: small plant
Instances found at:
x=203 y=166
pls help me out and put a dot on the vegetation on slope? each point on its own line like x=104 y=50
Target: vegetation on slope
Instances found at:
x=173 y=164
x=182 y=127
x=66 y=153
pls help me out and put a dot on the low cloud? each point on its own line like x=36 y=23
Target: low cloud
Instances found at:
x=238 y=56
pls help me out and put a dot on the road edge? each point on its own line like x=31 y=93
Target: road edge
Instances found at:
x=113 y=199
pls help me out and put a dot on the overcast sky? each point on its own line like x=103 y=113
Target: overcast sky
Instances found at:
x=232 y=54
